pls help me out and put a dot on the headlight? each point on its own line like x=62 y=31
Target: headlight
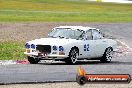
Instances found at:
x=27 y=46
x=33 y=46
x=61 y=48
x=54 y=48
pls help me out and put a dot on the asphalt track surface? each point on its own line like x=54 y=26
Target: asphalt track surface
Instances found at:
x=59 y=71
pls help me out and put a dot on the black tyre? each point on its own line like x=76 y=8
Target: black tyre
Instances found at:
x=73 y=56
x=33 y=60
x=108 y=54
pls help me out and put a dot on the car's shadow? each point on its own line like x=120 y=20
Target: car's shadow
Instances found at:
x=87 y=63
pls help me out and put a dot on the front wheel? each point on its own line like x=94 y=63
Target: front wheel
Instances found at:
x=33 y=60
x=73 y=56
x=108 y=54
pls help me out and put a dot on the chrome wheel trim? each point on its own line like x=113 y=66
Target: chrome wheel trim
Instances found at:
x=74 y=55
x=109 y=54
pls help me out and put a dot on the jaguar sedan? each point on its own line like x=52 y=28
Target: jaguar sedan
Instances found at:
x=71 y=44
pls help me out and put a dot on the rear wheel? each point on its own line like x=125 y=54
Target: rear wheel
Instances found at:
x=107 y=55
x=33 y=60
x=73 y=55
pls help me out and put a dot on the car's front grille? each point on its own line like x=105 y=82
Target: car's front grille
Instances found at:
x=44 y=48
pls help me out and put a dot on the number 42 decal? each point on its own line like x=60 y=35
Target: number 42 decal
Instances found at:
x=86 y=47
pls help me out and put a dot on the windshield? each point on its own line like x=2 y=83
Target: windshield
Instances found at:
x=66 y=33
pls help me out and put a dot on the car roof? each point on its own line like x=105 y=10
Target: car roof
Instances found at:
x=77 y=27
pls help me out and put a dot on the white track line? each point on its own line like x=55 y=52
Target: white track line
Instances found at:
x=124 y=44
x=123 y=49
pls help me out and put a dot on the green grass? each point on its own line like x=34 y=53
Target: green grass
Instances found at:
x=11 y=51
x=63 y=11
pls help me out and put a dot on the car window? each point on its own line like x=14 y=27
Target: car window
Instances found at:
x=96 y=34
x=66 y=33
x=89 y=35
x=70 y=34
x=79 y=34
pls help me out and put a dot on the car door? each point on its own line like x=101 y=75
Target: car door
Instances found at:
x=99 y=43
x=88 y=46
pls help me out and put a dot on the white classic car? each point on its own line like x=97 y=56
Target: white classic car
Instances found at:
x=71 y=44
